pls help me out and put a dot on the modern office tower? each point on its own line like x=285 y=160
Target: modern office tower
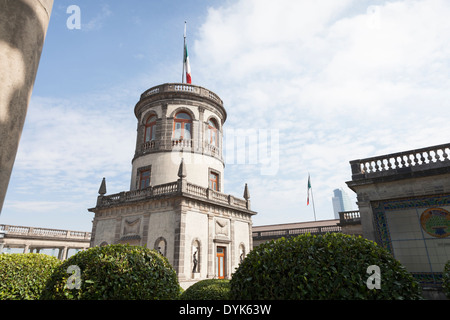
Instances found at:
x=341 y=202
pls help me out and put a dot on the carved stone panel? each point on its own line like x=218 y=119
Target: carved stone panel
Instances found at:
x=222 y=228
x=131 y=230
x=131 y=226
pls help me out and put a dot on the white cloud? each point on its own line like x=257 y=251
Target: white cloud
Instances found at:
x=67 y=146
x=98 y=20
x=72 y=139
x=339 y=80
x=38 y=206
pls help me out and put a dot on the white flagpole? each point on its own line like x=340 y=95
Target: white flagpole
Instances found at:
x=184 y=52
x=312 y=196
x=314 y=208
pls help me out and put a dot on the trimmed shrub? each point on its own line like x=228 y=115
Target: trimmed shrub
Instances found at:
x=24 y=275
x=209 y=289
x=330 y=266
x=446 y=279
x=114 y=272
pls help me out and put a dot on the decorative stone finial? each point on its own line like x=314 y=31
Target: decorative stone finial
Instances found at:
x=102 y=190
x=246 y=193
x=182 y=170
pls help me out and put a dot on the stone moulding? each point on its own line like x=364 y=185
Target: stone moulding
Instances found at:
x=177 y=188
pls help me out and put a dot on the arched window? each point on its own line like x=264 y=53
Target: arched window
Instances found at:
x=212 y=134
x=150 y=129
x=182 y=127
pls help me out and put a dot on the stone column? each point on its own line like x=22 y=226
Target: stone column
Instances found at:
x=201 y=130
x=164 y=139
x=210 y=244
x=179 y=242
x=233 y=244
x=62 y=253
x=23 y=26
x=366 y=214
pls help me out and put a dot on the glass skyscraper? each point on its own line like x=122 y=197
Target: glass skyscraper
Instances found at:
x=341 y=202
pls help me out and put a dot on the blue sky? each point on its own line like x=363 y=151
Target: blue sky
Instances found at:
x=336 y=80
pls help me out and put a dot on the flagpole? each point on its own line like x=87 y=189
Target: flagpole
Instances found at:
x=184 y=52
x=312 y=196
x=314 y=208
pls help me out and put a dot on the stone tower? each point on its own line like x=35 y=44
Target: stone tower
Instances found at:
x=176 y=203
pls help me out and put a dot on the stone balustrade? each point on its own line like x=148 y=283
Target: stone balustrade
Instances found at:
x=402 y=162
x=182 y=87
x=182 y=143
x=35 y=239
x=170 y=189
x=44 y=232
x=274 y=234
x=349 y=217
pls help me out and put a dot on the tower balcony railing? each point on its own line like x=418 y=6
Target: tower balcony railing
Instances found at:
x=155 y=145
x=180 y=187
x=181 y=144
x=184 y=88
x=149 y=145
x=402 y=162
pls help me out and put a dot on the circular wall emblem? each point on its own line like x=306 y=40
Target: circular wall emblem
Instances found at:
x=436 y=222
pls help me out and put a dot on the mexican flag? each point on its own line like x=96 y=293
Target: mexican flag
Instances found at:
x=187 y=66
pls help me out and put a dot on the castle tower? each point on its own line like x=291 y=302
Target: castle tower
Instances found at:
x=179 y=121
x=176 y=203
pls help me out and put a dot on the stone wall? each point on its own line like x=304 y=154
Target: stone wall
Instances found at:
x=404 y=203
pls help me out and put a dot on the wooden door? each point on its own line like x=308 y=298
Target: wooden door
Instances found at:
x=220 y=262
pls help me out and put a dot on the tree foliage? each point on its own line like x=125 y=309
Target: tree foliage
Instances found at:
x=118 y=272
x=209 y=289
x=330 y=266
x=24 y=275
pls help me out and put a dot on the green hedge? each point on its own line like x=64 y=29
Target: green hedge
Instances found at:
x=119 y=272
x=446 y=279
x=332 y=266
x=209 y=289
x=23 y=276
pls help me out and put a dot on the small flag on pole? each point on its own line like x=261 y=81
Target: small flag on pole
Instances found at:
x=312 y=196
x=186 y=65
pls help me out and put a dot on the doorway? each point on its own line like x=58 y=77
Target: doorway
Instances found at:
x=220 y=262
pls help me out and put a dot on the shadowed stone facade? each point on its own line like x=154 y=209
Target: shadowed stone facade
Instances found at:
x=404 y=203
